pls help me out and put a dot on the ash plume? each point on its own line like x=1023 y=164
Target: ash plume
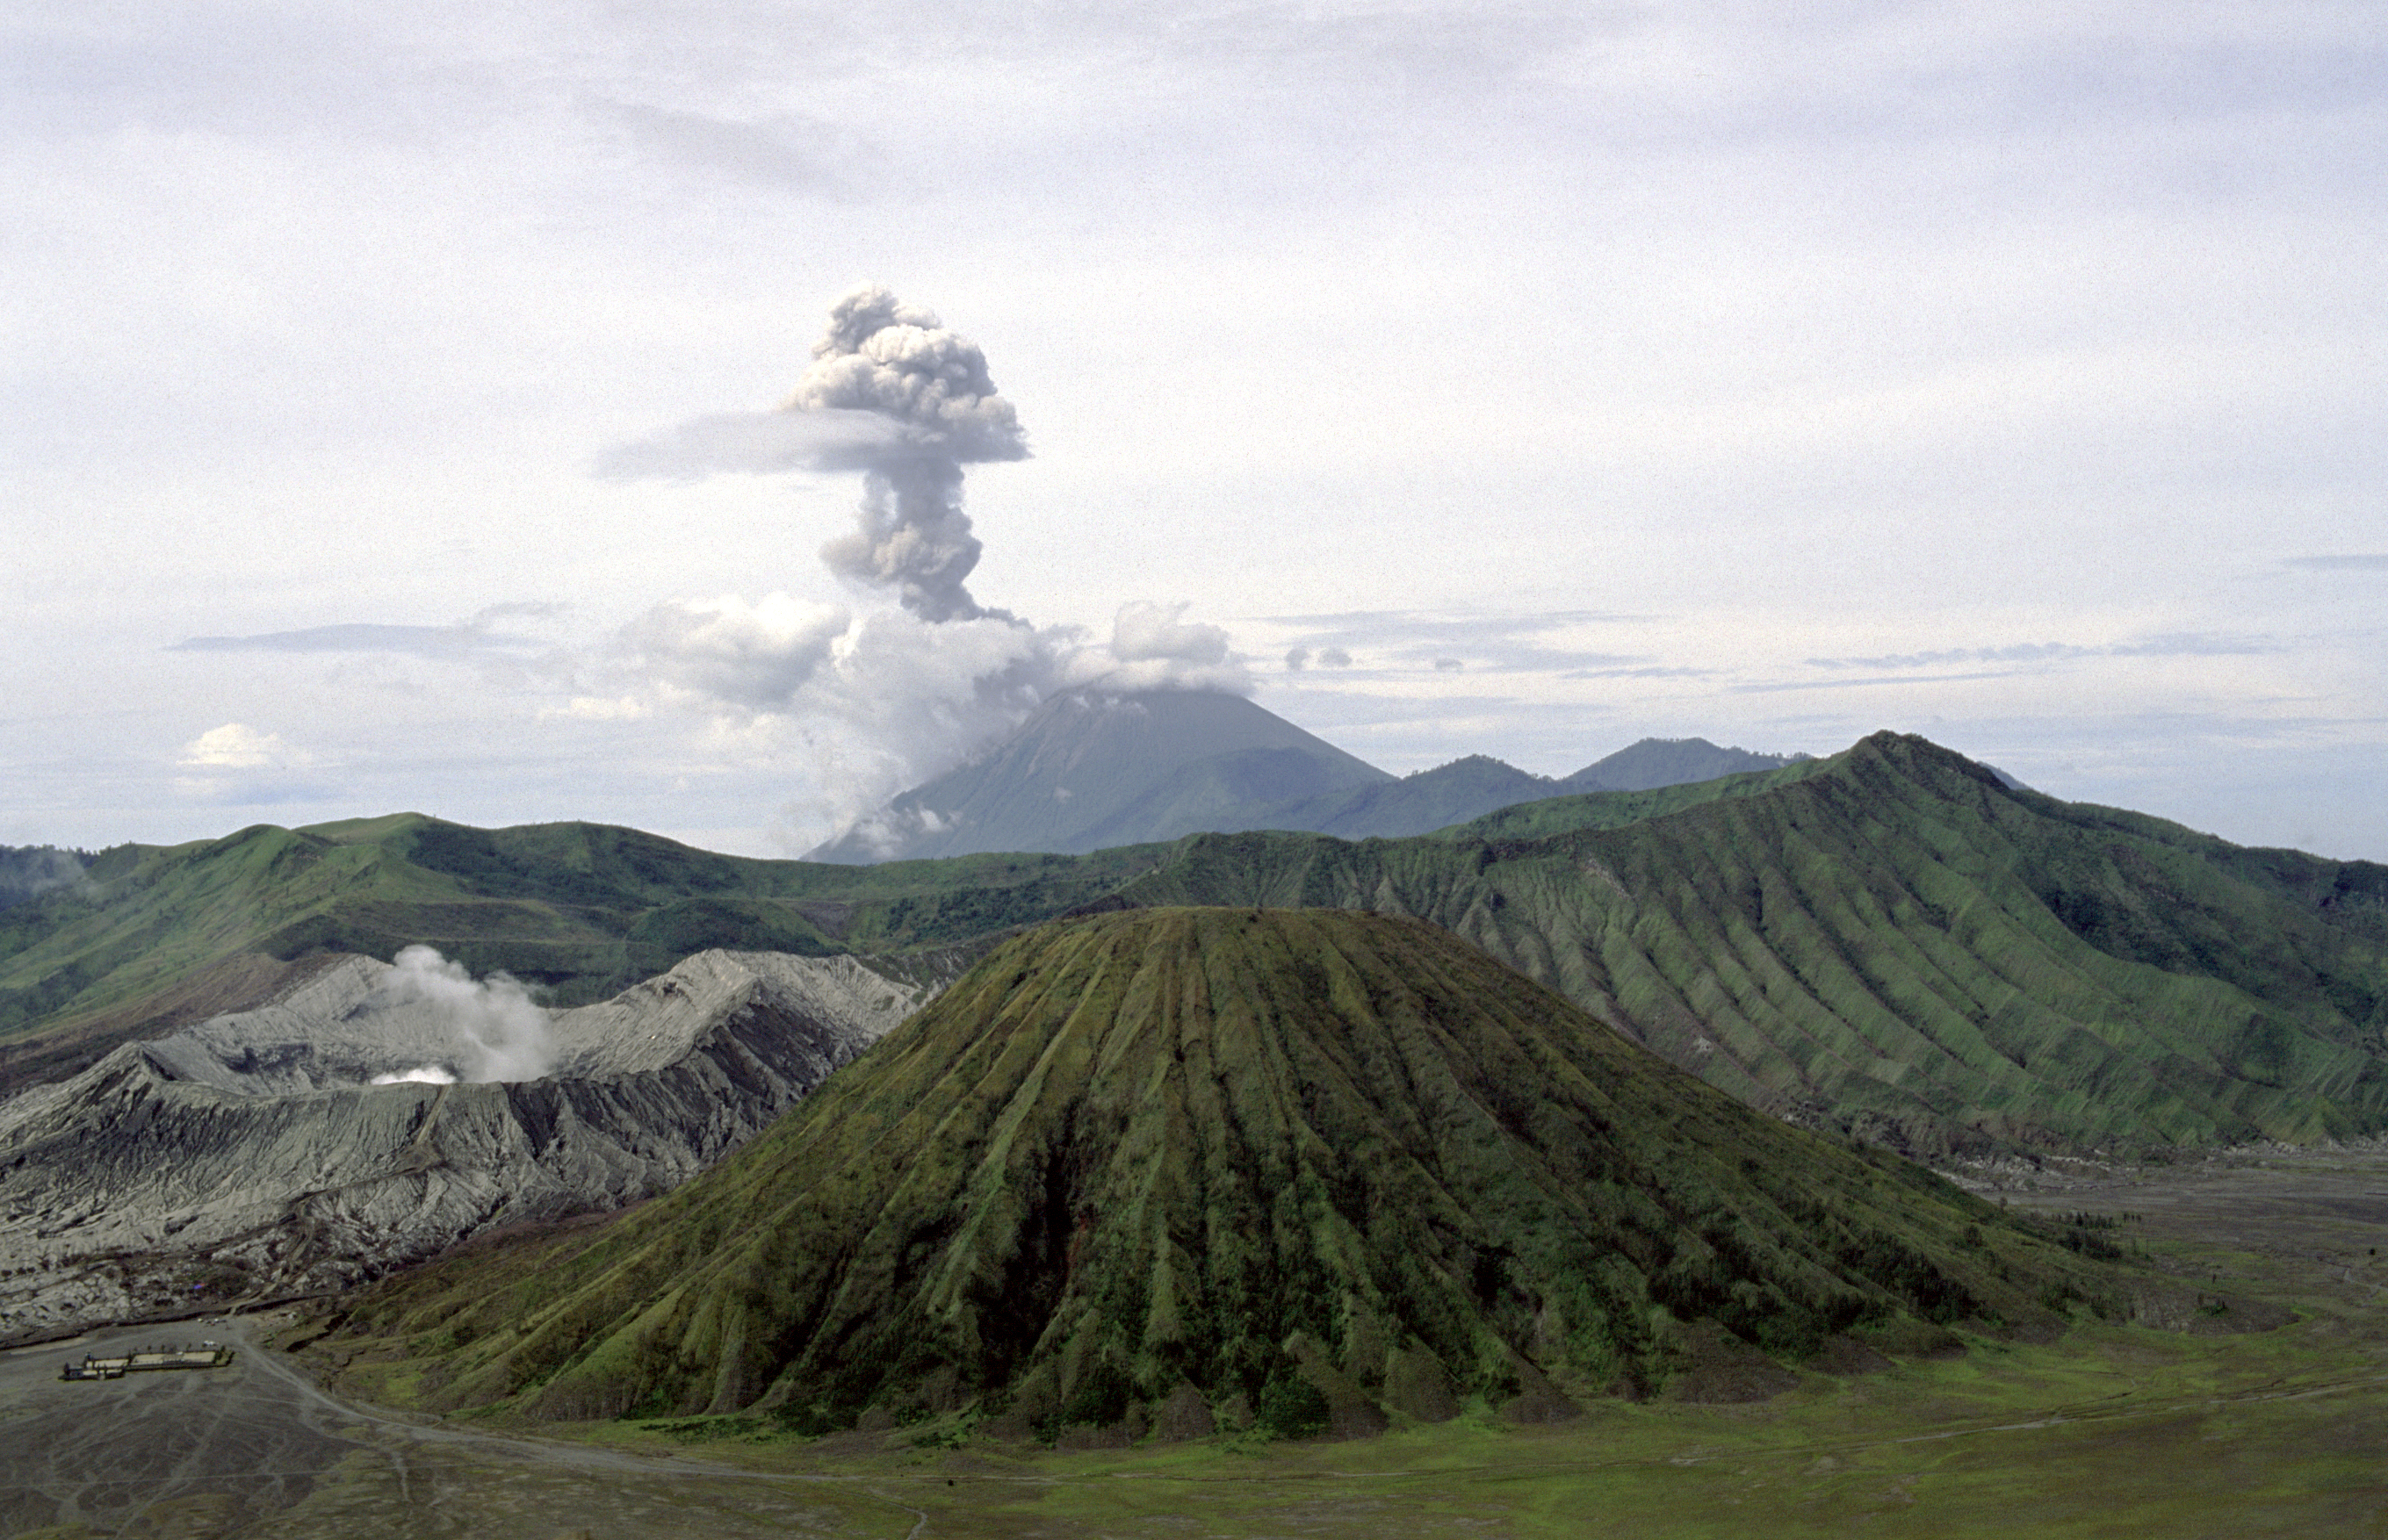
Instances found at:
x=896 y=361
x=890 y=696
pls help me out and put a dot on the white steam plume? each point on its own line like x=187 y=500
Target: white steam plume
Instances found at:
x=499 y=1033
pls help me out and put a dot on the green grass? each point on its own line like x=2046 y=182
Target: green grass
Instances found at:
x=2111 y=1431
x=1888 y=943
x=1323 y=1165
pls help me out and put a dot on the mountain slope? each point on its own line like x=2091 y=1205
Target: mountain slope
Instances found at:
x=1895 y=944
x=1414 y=804
x=1260 y=1157
x=1090 y=769
x=249 y=1157
x=1888 y=941
x=161 y=938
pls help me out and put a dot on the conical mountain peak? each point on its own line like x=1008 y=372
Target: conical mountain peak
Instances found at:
x=1265 y=1159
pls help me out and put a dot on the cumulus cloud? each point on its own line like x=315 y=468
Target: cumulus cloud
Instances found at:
x=237 y=746
x=1155 y=647
x=235 y=765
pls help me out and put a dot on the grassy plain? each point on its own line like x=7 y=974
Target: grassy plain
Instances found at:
x=2114 y=1431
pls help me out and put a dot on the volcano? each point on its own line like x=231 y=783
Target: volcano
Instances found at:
x=1090 y=769
x=1211 y=1166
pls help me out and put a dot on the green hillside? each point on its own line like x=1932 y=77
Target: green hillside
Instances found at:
x=1892 y=942
x=581 y=909
x=1888 y=941
x=1311 y=1165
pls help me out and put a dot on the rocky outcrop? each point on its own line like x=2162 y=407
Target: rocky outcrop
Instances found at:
x=249 y=1157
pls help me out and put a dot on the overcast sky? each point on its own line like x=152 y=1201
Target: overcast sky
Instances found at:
x=1537 y=378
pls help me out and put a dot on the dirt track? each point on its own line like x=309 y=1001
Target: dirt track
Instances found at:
x=234 y=1450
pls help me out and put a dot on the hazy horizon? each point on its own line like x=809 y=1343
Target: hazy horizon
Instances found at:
x=443 y=409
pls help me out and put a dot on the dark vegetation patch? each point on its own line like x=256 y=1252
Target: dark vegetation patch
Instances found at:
x=1322 y=1167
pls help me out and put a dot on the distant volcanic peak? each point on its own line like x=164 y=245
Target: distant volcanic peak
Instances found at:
x=1236 y=1150
x=1095 y=766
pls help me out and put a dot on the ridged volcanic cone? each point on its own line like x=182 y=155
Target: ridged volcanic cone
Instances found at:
x=1268 y=1154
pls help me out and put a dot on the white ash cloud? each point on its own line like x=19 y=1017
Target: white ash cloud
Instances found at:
x=499 y=1032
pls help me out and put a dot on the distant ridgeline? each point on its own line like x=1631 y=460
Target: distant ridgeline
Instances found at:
x=1889 y=942
x=1090 y=770
x=1210 y=1167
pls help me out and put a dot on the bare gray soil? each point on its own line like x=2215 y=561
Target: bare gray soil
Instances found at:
x=255 y=1449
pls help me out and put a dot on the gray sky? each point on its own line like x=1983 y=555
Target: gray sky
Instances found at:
x=2011 y=374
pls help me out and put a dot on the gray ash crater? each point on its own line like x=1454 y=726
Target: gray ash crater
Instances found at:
x=253 y=1156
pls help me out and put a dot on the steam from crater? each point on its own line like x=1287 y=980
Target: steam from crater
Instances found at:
x=495 y=1030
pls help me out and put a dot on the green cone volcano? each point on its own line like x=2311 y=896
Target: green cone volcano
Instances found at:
x=1275 y=1155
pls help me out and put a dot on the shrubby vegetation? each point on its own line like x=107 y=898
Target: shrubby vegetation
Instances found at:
x=1889 y=943
x=1281 y=1157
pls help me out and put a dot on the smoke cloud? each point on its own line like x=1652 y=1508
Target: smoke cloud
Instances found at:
x=898 y=363
x=499 y=1034
x=430 y=1074
x=882 y=699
